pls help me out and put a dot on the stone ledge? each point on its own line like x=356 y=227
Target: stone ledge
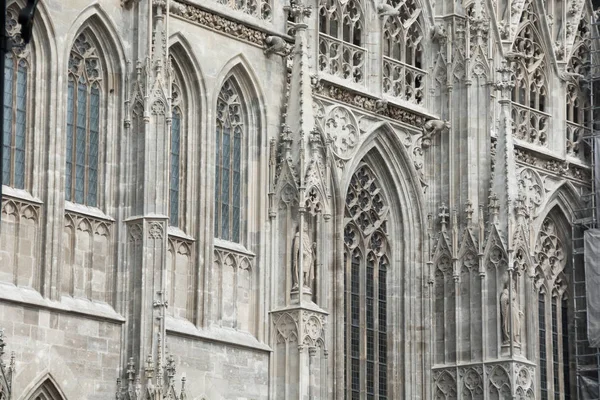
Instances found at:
x=32 y=298
x=226 y=336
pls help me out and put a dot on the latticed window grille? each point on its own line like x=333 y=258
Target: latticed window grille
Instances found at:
x=16 y=78
x=258 y=8
x=530 y=94
x=175 y=156
x=366 y=255
x=231 y=128
x=551 y=281
x=403 y=75
x=341 y=24
x=85 y=87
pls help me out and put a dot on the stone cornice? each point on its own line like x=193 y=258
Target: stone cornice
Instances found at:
x=212 y=20
x=553 y=165
x=371 y=104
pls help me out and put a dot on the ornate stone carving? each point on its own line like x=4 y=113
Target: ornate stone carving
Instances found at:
x=532 y=189
x=286 y=327
x=155 y=230
x=431 y=128
x=525 y=379
x=6 y=372
x=370 y=104
x=555 y=166
x=472 y=383
x=218 y=23
x=550 y=255
x=499 y=385
x=445 y=385
x=342 y=131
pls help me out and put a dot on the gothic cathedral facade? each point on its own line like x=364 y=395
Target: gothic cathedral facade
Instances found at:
x=293 y=199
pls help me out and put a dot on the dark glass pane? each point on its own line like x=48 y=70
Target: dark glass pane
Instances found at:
x=70 y=139
x=21 y=123
x=225 y=182
x=217 y=178
x=80 y=143
x=565 y=344
x=174 y=173
x=236 y=189
x=92 y=195
x=555 y=348
x=8 y=115
x=542 y=340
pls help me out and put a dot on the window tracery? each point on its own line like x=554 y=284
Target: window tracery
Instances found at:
x=341 y=24
x=366 y=255
x=258 y=8
x=16 y=88
x=85 y=88
x=577 y=101
x=231 y=129
x=530 y=94
x=553 y=311
x=403 y=75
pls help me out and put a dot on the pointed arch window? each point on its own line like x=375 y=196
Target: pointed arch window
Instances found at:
x=553 y=313
x=530 y=94
x=16 y=88
x=85 y=88
x=366 y=255
x=341 y=52
x=403 y=74
x=230 y=131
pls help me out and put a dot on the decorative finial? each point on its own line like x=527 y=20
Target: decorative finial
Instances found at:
x=469 y=212
x=443 y=216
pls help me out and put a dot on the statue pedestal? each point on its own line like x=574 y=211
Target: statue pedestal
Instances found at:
x=300 y=355
x=505 y=350
x=307 y=296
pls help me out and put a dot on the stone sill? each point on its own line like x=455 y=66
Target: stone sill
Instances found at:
x=232 y=246
x=20 y=194
x=226 y=336
x=83 y=307
x=87 y=211
x=178 y=233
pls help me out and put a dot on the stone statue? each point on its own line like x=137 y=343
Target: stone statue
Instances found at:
x=505 y=303
x=308 y=259
x=274 y=44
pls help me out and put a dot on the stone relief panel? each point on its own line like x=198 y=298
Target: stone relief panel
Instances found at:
x=19 y=242
x=341 y=129
x=550 y=256
x=237 y=295
x=531 y=188
x=525 y=379
x=445 y=304
x=499 y=385
x=87 y=270
x=445 y=385
x=471 y=381
x=181 y=278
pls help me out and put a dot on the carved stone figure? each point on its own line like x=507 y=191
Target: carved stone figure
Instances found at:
x=308 y=258
x=384 y=9
x=431 y=128
x=274 y=44
x=507 y=301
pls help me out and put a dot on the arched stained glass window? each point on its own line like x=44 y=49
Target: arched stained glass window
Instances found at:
x=366 y=256
x=83 y=122
x=16 y=72
x=553 y=313
x=228 y=161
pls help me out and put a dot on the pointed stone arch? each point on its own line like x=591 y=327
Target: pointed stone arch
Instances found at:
x=389 y=161
x=46 y=389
